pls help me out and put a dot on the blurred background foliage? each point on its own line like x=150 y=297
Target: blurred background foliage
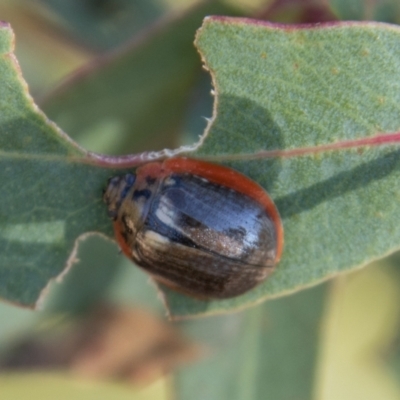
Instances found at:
x=123 y=76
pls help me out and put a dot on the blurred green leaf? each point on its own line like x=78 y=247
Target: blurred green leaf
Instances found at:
x=382 y=10
x=268 y=352
x=44 y=53
x=86 y=283
x=274 y=92
x=135 y=99
x=294 y=88
x=15 y=322
x=134 y=286
x=104 y=24
x=350 y=10
x=101 y=274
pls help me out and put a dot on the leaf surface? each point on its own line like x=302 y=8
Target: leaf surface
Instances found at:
x=52 y=197
x=277 y=88
x=293 y=87
x=48 y=200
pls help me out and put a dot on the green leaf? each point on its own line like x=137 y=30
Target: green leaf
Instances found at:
x=15 y=323
x=136 y=98
x=268 y=352
x=48 y=199
x=51 y=196
x=103 y=24
x=296 y=88
x=101 y=274
x=383 y=10
x=95 y=270
x=277 y=89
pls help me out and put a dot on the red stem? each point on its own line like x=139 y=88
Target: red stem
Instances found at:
x=135 y=160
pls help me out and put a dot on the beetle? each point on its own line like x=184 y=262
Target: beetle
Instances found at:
x=200 y=228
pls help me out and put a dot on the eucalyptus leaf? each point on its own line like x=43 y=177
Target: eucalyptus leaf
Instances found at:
x=293 y=88
x=48 y=199
x=277 y=88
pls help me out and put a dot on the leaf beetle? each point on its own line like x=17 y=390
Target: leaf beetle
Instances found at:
x=201 y=228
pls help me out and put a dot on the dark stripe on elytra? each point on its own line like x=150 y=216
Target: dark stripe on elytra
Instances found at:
x=185 y=183
x=237 y=233
x=187 y=186
x=175 y=193
x=185 y=220
x=153 y=223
